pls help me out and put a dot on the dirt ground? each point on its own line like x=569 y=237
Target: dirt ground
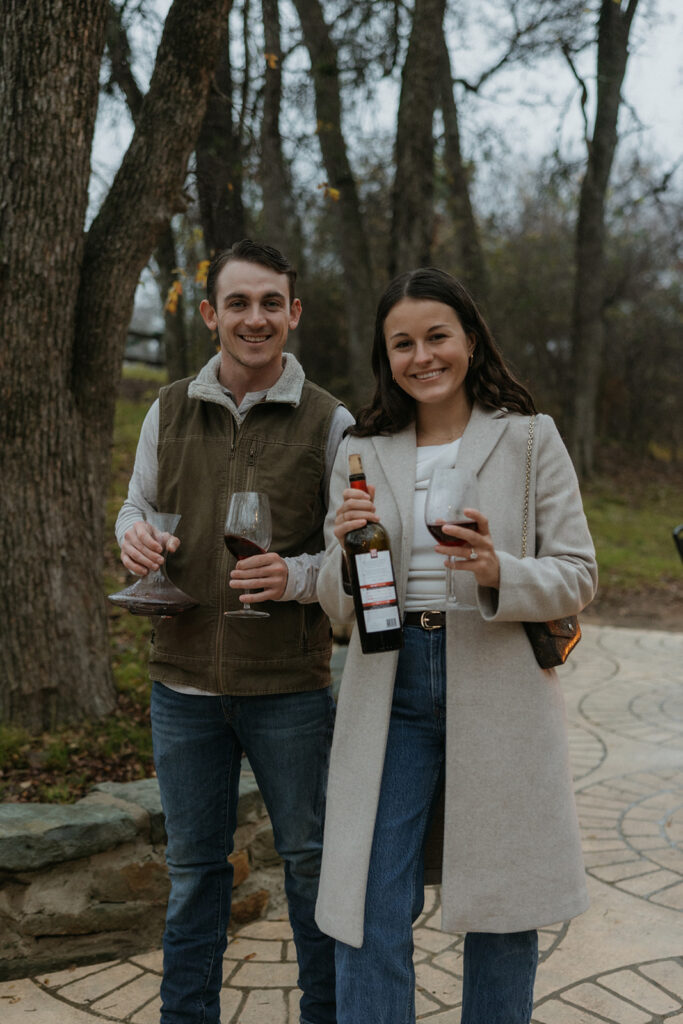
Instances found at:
x=643 y=609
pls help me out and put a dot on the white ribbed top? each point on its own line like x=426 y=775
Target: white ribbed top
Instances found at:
x=427 y=573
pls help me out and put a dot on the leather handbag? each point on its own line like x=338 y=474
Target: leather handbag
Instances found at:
x=554 y=640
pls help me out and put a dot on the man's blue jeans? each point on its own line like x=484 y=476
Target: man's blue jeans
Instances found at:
x=376 y=983
x=198 y=745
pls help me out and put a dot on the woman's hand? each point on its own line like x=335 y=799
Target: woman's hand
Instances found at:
x=355 y=511
x=478 y=556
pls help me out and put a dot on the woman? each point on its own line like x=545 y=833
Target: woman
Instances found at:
x=464 y=701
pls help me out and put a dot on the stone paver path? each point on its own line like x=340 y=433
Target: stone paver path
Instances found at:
x=620 y=963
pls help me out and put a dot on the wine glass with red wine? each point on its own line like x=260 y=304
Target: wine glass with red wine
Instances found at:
x=451 y=490
x=155 y=594
x=248 y=532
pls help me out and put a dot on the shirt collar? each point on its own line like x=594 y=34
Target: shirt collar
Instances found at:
x=286 y=389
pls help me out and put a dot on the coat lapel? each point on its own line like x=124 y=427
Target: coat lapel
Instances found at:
x=396 y=455
x=482 y=434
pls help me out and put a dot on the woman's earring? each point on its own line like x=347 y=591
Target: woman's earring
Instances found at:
x=471 y=357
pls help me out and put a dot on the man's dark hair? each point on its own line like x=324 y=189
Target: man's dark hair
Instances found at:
x=249 y=252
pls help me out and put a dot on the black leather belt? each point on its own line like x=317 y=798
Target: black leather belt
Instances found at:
x=425 y=620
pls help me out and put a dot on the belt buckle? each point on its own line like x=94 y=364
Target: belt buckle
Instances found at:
x=424 y=621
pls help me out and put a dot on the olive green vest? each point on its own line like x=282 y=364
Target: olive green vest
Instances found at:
x=203 y=457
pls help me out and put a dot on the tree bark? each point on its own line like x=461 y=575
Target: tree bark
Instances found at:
x=64 y=322
x=470 y=264
x=176 y=344
x=281 y=224
x=614 y=26
x=354 y=250
x=219 y=160
x=175 y=335
x=412 y=224
x=53 y=647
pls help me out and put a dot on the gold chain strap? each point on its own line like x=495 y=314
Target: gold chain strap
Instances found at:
x=529 y=449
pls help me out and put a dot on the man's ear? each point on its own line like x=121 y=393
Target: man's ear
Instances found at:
x=208 y=314
x=294 y=314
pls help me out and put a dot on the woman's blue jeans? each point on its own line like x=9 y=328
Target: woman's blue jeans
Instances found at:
x=198 y=745
x=377 y=982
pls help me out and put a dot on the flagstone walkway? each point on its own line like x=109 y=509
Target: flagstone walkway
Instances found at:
x=620 y=963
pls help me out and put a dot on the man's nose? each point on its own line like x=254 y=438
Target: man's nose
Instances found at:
x=255 y=317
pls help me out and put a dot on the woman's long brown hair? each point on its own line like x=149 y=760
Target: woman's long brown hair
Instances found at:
x=489 y=382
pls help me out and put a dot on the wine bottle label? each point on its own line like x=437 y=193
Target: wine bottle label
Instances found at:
x=378 y=591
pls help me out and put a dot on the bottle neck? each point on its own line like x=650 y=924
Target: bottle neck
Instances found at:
x=358 y=482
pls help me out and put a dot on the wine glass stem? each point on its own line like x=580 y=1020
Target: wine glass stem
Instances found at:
x=451 y=597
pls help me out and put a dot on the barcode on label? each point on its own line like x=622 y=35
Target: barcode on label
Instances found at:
x=378 y=619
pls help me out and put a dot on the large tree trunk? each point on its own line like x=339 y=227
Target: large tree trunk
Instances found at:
x=281 y=224
x=589 y=290
x=175 y=335
x=65 y=309
x=219 y=161
x=412 y=223
x=354 y=250
x=470 y=264
x=53 y=650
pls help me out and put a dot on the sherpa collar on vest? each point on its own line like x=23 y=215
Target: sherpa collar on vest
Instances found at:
x=286 y=389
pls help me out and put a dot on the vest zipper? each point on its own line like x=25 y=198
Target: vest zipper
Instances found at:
x=251 y=468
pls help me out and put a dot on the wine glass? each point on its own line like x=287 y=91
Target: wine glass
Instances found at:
x=154 y=594
x=450 y=491
x=248 y=532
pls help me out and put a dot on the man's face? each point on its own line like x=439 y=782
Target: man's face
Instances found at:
x=253 y=316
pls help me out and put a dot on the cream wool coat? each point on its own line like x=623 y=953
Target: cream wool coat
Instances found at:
x=511 y=856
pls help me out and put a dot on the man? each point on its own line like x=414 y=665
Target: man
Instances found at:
x=221 y=685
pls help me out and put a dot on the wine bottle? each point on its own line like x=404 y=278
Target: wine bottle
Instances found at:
x=373 y=583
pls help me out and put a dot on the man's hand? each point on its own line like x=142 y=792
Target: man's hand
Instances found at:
x=266 y=573
x=143 y=547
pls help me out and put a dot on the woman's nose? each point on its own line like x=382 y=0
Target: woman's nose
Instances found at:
x=422 y=353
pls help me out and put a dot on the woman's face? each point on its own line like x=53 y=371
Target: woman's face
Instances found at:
x=428 y=350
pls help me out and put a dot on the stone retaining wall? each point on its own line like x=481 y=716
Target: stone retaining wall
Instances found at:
x=88 y=881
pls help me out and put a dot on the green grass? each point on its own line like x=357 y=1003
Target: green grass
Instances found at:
x=631 y=524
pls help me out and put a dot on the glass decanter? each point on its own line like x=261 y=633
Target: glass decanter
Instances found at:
x=154 y=594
